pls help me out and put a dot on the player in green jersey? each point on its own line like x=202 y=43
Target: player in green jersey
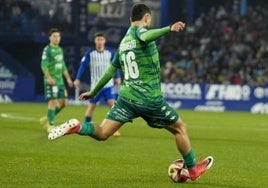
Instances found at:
x=140 y=94
x=54 y=68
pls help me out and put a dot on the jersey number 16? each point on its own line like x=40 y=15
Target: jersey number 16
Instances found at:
x=131 y=66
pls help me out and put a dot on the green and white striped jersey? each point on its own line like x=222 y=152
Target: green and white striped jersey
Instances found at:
x=139 y=61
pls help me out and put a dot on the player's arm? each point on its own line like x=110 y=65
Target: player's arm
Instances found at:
x=44 y=67
x=66 y=73
x=51 y=81
x=48 y=76
x=117 y=77
x=153 y=34
x=68 y=78
x=108 y=75
x=83 y=64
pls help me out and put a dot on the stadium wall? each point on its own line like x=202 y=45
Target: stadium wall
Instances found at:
x=18 y=84
x=207 y=97
x=216 y=97
x=16 y=89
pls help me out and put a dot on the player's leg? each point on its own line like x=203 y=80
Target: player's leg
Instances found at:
x=99 y=132
x=163 y=115
x=62 y=99
x=52 y=103
x=178 y=129
x=110 y=103
x=91 y=106
x=196 y=169
x=105 y=130
x=51 y=93
x=119 y=114
x=89 y=111
x=181 y=137
x=61 y=103
x=109 y=95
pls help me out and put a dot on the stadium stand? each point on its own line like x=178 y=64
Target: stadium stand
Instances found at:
x=222 y=46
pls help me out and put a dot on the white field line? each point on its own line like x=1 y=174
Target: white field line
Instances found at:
x=18 y=117
x=260 y=127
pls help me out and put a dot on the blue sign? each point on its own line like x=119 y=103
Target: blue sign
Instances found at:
x=216 y=97
x=16 y=89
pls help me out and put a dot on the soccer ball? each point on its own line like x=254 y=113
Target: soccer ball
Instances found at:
x=177 y=171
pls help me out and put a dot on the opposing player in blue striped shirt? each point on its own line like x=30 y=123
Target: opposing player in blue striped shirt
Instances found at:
x=98 y=59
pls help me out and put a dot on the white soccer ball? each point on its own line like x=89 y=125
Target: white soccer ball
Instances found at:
x=177 y=171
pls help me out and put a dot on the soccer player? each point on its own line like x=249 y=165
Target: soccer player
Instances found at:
x=98 y=59
x=140 y=94
x=54 y=68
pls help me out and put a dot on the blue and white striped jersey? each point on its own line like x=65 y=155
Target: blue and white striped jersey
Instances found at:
x=98 y=63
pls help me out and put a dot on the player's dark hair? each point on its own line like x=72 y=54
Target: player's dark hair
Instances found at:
x=138 y=11
x=99 y=34
x=53 y=30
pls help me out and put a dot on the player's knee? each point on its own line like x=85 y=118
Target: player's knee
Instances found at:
x=103 y=137
x=62 y=105
x=181 y=127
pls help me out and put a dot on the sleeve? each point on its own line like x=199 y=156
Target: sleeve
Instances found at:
x=117 y=75
x=115 y=61
x=83 y=64
x=107 y=76
x=45 y=59
x=151 y=35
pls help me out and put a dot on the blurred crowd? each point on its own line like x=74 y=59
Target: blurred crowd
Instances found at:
x=33 y=16
x=222 y=46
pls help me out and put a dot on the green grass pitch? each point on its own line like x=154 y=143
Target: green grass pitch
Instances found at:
x=139 y=158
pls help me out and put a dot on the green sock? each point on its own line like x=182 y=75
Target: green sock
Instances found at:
x=57 y=110
x=51 y=116
x=190 y=159
x=87 y=129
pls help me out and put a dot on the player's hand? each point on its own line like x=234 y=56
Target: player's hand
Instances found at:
x=76 y=83
x=85 y=96
x=70 y=83
x=51 y=81
x=178 y=26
